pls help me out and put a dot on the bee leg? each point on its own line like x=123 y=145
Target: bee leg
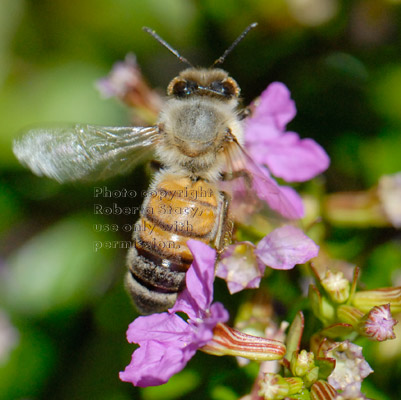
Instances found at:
x=225 y=225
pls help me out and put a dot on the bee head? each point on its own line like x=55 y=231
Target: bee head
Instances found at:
x=211 y=82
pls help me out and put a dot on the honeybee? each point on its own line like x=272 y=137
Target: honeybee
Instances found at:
x=197 y=139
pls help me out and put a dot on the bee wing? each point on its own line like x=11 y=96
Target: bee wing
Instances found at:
x=253 y=189
x=84 y=152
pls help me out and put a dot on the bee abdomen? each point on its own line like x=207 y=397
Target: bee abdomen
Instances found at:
x=152 y=287
x=178 y=210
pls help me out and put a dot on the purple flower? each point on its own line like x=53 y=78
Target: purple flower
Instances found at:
x=166 y=341
x=242 y=265
x=284 y=153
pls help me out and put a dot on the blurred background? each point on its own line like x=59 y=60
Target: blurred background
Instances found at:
x=63 y=309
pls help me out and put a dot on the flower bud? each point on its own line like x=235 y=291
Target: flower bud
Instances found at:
x=336 y=286
x=229 y=341
x=302 y=363
x=378 y=324
x=365 y=300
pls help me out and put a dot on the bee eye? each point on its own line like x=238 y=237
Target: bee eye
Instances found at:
x=180 y=89
x=184 y=88
x=217 y=86
x=226 y=88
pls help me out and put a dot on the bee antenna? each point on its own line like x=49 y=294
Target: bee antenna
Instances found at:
x=221 y=59
x=165 y=44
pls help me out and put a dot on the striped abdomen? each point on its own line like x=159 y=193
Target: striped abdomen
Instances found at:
x=175 y=210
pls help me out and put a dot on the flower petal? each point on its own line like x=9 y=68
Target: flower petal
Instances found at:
x=260 y=132
x=285 y=247
x=275 y=102
x=293 y=159
x=162 y=327
x=153 y=364
x=196 y=298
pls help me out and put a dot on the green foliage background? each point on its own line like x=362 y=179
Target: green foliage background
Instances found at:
x=341 y=60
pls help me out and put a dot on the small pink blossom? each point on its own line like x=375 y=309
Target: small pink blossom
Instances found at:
x=378 y=323
x=166 y=341
x=284 y=153
x=351 y=367
x=243 y=265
